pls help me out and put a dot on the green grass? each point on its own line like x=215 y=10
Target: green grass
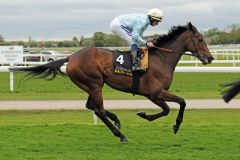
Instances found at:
x=70 y=135
x=187 y=85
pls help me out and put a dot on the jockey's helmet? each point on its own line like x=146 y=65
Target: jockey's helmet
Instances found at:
x=156 y=14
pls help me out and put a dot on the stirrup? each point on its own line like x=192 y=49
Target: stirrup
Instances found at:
x=136 y=67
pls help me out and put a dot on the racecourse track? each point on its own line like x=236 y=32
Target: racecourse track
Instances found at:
x=115 y=104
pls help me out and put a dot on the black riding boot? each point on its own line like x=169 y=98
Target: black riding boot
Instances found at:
x=135 y=61
x=134 y=49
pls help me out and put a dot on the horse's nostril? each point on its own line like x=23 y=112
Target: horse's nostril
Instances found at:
x=210 y=59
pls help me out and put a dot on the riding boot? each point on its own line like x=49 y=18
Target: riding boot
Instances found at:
x=134 y=58
x=135 y=65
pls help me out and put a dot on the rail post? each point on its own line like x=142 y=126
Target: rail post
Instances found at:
x=94 y=118
x=11 y=79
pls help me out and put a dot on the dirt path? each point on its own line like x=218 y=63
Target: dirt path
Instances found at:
x=113 y=104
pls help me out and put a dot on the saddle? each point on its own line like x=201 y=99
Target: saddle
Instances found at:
x=122 y=65
x=122 y=61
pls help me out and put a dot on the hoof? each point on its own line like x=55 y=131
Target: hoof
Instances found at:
x=124 y=140
x=175 y=128
x=118 y=125
x=141 y=114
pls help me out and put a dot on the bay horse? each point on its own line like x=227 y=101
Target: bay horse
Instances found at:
x=91 y=68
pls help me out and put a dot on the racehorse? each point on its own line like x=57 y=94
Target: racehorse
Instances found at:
x=91 y=68
x=232 y=90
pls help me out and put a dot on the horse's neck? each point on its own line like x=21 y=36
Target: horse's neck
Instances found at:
x=178 y=48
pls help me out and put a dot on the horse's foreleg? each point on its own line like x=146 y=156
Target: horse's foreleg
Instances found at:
x=90 y=105
x=152 y=117
x=167 y=96
x=96 y=96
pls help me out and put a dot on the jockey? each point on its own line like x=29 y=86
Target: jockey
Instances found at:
x=130 y=27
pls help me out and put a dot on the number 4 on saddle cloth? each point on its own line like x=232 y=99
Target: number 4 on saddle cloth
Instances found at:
x=122 y=65
x=122 y=61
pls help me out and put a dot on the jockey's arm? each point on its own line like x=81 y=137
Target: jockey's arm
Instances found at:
x=137 y=35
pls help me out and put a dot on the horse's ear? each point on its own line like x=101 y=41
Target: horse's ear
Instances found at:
x=190 y=26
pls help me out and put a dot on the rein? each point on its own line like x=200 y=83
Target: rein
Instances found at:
x=179 y=53
x=164 y=58
x=171 y=51
x=164 y=49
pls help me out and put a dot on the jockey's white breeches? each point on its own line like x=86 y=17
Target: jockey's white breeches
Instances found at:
x=121 y=31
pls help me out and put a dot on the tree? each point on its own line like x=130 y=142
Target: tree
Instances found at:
x=49 y=44
x=81 y=41
x=60 y=44
x=87 y=42
x=233 y=27
x=98 y=39
x=212 y=32
x=113 y=40
x=75 y=39
x=1 y=38
x=21 y=43
x=75 y=42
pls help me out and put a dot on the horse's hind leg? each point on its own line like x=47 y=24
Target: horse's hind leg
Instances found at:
x=114 y=118
x=96 y=96
x=90 y=105
x=152 y=117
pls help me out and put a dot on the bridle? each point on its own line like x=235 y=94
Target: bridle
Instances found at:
x=195 y=53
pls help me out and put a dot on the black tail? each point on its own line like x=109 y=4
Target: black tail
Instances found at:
x=47 y=71
x=232 y=91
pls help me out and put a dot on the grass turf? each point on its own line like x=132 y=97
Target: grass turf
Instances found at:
x=186 y=85
x=204 y=134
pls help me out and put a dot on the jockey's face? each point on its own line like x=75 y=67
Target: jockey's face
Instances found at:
x=155 y=22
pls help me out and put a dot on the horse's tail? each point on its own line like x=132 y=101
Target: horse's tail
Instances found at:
x=232 y=91
x=46 y=71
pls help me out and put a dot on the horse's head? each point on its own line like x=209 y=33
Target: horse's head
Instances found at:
x=197 y=46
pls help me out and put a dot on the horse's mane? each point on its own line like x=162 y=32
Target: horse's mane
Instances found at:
x=173 y=32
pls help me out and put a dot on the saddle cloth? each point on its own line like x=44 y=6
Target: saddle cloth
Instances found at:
x=122 y=61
